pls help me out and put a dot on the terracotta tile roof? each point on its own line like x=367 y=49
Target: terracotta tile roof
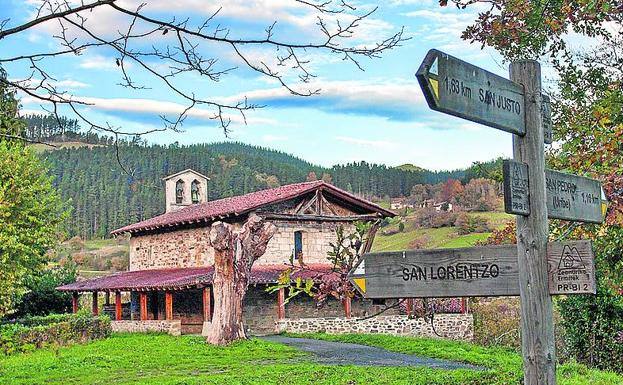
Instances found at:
x=182 y=278
x=241 y=204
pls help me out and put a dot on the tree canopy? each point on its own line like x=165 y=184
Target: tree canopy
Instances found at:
x=31 y=211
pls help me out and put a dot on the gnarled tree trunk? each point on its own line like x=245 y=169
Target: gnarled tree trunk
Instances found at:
x=234 y=255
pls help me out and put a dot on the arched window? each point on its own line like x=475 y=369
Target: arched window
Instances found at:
x=179 y=192
x=298 y=245
x=194 y=191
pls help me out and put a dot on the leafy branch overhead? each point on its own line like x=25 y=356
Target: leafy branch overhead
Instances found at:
x=528 y=29
x=160 y=49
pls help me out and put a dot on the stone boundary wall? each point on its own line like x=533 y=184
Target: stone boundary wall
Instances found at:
x=173 y=327
x=449 y=326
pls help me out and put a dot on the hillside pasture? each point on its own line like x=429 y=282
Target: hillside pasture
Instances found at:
x=435 y=238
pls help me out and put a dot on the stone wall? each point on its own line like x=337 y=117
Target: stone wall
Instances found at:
x=450 y=326
x=304 y=306
x=191 y=248
x=173 y=328
x=259 y=311
x=316 y=239
x=180 y=248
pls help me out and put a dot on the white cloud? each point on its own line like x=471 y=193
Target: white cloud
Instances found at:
x=70 y=83
x=100 y=62
x=390 y=98
x=156 y=108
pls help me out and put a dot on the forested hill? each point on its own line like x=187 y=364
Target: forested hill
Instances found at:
x=104 y=197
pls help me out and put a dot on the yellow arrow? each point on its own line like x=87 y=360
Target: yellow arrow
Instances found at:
x=360 y=283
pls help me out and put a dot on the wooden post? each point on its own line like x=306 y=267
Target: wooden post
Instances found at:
x=537 y=325
x=74 y=302
x=107 y=298
x=143 y=305
x=95 y=308
x=118 y=308
x=207 y=304
x=347 y=303
x=409 y=304
x=168 y=305
x=463 y=305
x=281 y=304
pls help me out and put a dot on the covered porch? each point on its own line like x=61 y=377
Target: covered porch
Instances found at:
x=179 y=300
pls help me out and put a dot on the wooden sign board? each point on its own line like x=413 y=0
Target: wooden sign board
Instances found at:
x=458 y=88
x=516 y=194
x=469 y=272
x=571 y=268
x=569 y=197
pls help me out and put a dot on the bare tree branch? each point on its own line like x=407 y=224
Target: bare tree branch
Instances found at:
x=179 y=48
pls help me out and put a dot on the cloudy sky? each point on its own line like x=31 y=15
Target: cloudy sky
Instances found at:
x=377 y=115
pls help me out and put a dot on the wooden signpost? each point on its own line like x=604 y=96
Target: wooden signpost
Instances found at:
x=517 y=106
x=458 y=88
x=469 y=272
x=569 y=197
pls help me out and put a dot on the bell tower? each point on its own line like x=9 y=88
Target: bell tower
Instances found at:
x=185 y=188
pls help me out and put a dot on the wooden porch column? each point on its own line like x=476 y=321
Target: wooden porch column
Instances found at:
x=207 y=304
x=281 y=304
x=107 y=298
x=409 y=307
x=74 y=302
x=95 y=307
x=464 y=305
x=118 y=308
x=168 y=305
x=143 y=305
x=347 y=302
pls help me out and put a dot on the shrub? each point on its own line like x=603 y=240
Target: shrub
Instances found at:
x=42 y=297
x=419 y=242
x=467 y=224
x=496 y=322
x=53 y=330
x=401 y=227
x=593 y=326
x=443 y=219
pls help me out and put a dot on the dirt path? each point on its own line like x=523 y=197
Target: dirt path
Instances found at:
x=340 y=353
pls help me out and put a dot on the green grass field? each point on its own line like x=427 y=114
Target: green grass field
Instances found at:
x=162 y=359
x=443 y=237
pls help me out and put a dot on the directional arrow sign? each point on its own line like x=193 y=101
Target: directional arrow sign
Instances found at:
x=458 y=88
x=476 y=271
x=569 y=197
x=469 y=272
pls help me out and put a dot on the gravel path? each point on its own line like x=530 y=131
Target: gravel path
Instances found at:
x=340 y=353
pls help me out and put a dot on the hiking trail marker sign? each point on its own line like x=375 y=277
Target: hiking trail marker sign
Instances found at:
x=458 y=88
x=569 y=197
x=571 y=268
x=469 y=272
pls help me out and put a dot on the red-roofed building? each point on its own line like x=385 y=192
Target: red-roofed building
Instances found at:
x=171 y=259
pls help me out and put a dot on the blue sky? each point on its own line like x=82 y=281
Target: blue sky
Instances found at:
x=377 y=115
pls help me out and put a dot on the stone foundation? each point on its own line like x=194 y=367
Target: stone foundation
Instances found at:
x=449 y=326
x=173 y=328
